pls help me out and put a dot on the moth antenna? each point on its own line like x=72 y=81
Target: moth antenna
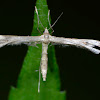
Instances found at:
x=56 y=20
x=39 y=81
x=38 y=20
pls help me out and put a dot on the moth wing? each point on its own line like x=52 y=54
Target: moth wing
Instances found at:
x=16 y=40
x=81 y=43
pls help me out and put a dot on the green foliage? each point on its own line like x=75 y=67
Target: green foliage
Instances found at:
x=27 y=87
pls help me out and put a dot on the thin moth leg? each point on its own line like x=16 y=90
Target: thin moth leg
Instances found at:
x=49 y=22
x=54 y=22
x=39 y=79
x=38 y=20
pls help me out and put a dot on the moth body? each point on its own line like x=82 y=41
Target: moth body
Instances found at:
x=44 y=58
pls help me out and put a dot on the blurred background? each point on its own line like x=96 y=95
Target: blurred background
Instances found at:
x=79 y=68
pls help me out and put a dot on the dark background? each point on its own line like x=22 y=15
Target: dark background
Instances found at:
x=79 y=69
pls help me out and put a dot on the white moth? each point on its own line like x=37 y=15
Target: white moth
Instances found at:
x=45 y=39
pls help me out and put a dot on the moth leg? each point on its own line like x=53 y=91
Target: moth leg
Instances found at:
x=38 y=20
x=49 y=21
x=39 y=79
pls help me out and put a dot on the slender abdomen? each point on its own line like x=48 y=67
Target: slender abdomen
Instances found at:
x=44 y=60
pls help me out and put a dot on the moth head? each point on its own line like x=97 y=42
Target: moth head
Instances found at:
x=46 y=33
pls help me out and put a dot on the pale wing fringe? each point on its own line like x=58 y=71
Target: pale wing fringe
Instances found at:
x=82 y=43
x=15 y=40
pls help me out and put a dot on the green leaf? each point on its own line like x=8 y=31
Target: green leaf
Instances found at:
x=27 y=87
